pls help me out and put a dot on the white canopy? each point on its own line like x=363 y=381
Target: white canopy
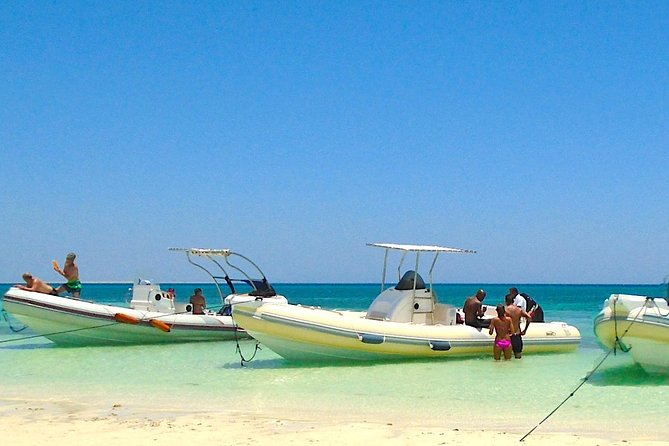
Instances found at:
x=204 y=251
x=422 y=248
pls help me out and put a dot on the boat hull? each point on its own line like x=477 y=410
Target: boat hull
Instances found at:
x=73 y=323
x=312 y=334
x=638 y=325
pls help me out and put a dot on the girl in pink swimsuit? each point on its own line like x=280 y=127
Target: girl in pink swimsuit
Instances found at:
x=501 y=326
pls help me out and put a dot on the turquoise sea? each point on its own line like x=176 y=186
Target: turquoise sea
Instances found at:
x=618 y=401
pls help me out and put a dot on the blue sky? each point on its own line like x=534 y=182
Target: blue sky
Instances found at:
x=536 y=133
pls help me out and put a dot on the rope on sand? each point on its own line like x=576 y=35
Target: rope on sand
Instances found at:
x=618 y=341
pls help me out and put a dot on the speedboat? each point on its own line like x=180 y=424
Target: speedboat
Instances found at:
x=152 y=316
x=405 y=321
x=638 y=325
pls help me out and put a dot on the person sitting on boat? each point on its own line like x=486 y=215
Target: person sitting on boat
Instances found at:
x=474 y=309
x=198 y=301
x=71 y=272
x=37 y=285
x=533 y=308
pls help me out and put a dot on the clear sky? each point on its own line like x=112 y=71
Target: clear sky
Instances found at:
x=536 y=132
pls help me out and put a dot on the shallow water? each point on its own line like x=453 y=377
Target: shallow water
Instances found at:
x=619 y=400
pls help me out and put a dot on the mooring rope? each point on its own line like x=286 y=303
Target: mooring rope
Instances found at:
x=23 y=338
x=238 y=348
x=618 y=341
x=5 y=315
x=587 y=377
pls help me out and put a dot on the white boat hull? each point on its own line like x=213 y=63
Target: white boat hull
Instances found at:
x=638 y=325
x=71 y=322
x=311 y=334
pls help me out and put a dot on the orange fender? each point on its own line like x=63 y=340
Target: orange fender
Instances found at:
x=160 y=325
x=126 y=318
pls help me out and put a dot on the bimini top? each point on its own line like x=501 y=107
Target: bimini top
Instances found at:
x=417 y=248
x=204 y=252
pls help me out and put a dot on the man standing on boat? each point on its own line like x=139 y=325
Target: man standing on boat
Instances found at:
x=71 y=272
x=474 y=309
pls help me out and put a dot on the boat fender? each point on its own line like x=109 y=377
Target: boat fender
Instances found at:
x=160 y=325
x=440 y=346
x=367 y=338
x=126 y=318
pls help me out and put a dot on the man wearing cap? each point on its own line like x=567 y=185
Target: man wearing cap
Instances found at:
x=71 y=272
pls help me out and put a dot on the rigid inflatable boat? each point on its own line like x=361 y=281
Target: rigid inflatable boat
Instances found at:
x=152 y=316
x=405 y=321
x=638 y=325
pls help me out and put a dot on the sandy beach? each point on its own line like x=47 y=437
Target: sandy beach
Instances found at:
x=70 y=423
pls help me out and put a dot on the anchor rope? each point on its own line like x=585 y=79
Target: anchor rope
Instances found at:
x=5 y=315
x=238 y=348
x=23 y=338
x=618 y=341
x=591 y=372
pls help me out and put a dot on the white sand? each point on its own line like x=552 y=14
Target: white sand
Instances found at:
x=68 y=423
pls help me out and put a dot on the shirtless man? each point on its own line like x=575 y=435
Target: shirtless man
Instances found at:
x=501 y=326
x=71 y=272
x=515 y=313
x=474 y=309
x=37 y=285
x=198 y=301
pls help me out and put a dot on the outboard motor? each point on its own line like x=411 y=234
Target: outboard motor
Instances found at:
x=407 y=281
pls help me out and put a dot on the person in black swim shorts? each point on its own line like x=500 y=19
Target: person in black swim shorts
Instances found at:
x=516 y=313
